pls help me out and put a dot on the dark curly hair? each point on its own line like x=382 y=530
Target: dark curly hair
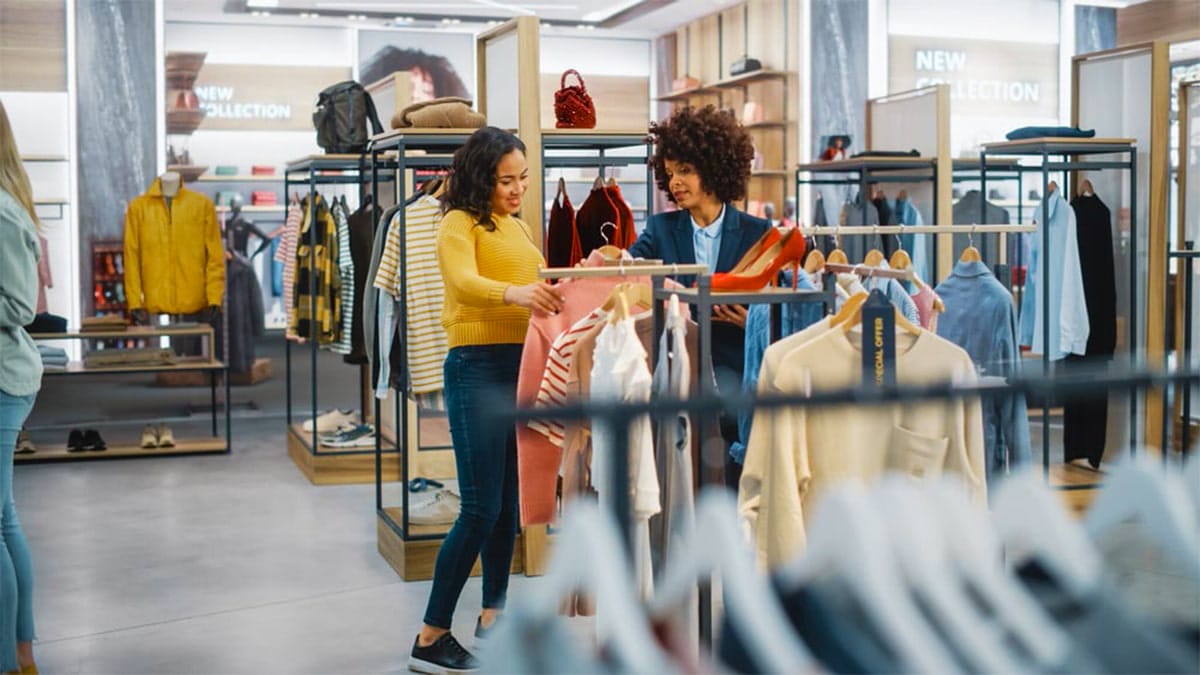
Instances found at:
x=473 y=173
x=713 y=142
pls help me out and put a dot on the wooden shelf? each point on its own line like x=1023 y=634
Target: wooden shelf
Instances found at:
x=766 y=125
x=58 y=453
x=44 y=158
x=78 y=368
x=273 y=208
x=413 y=560
x=131 y=333
x=50 y=201
x=767 y=173
x=215 y=178
x=749 y=78
x=685 y=94
x=340 y=466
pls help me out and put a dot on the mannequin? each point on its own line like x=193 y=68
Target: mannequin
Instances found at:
x=187 y=277
x=239 y=229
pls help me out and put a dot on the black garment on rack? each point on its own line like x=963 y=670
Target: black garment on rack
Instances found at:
x=1085 y=420
x=856 y=247
x=966 y=212
x=362 y=225
x=824 y=243
x=888 y=243
x=245 y=316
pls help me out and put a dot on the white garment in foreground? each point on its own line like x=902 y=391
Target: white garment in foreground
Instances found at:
x=794 y=455
x=620 y=373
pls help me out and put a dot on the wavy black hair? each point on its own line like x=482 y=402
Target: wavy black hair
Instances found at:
x=713 y=142
x=473 y=173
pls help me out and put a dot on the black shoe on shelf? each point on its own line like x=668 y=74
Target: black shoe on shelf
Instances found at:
x=75 y=441
x=445 y=655
x=92 y=442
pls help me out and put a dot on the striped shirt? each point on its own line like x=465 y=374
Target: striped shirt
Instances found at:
x=286 y=254
x=425 y=338
x=553 y=389
x=346 y=269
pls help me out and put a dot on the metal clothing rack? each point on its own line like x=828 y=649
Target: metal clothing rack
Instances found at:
x=312 y=171
x=863 y=171
x=966 y=169
x=390 y=152
x=1069 y=150
x=585 y=149
x=1186 y=256
x=618 y=416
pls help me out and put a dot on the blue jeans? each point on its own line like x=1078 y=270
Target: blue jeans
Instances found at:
x=16 y=567
x=478 y=379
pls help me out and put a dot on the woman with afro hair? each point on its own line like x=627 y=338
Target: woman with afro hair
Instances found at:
x=702 y=162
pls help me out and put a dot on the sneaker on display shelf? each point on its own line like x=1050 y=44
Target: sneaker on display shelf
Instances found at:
x=334 y=420
x=348 y=431
x=361 y=436
x=166 y=438
x=149 y=437
x=441 y=509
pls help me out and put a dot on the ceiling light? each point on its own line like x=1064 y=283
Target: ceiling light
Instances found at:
x=602 y=14
x=262 y=3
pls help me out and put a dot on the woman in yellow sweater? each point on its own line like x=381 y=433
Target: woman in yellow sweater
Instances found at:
x=489 y=262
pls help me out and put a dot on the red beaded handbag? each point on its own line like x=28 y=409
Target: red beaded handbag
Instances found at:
x=573 y=107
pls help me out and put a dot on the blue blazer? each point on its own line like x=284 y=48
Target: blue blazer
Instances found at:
x=668 y=237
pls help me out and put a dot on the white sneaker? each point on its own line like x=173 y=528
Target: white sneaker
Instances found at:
x=360 y=436
x=441 y=509
x=333 y=420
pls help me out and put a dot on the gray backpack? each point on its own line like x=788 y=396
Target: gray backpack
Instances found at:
x=341 y=117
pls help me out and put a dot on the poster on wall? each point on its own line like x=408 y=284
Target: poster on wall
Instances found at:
x=986 y=77
x=237 y=97
x=440 y=64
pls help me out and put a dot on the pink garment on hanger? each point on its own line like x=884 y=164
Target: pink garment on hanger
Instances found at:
x=924 y=298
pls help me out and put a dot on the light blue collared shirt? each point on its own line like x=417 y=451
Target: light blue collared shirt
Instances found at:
x=707 y=241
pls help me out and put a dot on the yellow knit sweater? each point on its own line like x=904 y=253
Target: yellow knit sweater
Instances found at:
x=477 y=266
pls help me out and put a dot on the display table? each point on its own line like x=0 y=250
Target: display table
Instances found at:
x=205 y=363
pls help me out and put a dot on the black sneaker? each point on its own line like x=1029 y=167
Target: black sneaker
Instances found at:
x=92 y=442
x=482 y=634
x=75 y=441
x=445 y=655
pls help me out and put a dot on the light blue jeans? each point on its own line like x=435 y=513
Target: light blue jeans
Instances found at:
x=16 y=567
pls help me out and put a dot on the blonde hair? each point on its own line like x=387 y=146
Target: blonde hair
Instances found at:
x=13 y=178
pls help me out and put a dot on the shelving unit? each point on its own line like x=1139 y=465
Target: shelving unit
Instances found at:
x=321 y=464
x=214 y=444
x=593 y=148
x=108 y=289
x=410 y=550
x=217 y=178
x=1064 y=155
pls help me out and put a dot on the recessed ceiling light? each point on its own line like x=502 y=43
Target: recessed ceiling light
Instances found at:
x=262 y=3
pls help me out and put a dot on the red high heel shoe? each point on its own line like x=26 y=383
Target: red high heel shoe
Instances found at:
x=765 y=269
x=764 y=242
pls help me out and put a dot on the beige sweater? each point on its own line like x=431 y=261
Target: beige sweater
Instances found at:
x=795 y=455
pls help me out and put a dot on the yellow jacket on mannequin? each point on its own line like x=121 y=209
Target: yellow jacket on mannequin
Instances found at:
x=174 y=260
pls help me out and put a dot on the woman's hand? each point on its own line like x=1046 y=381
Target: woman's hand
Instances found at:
x=734 y=314
x=538 y=296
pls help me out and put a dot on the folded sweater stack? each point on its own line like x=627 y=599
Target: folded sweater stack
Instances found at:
x=53 y=358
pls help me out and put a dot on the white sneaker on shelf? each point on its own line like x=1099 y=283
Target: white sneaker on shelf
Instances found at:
x=441 y=509
x=334 y=420
x=360 y=436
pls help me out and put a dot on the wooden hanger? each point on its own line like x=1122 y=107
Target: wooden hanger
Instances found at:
x=815 y=262
x=970 y=254
x=873 y=258
x=635 y=294
x=1085 y=188
x=598 y=183
x=901 y=261
x=442 y=188
x=849 y=309
x=856 y=318
x=837 y=255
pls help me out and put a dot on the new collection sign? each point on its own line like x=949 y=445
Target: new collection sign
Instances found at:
x=262 y=98
x=986 y=77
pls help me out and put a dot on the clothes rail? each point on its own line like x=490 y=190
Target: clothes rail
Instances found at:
x=809 y=231
x=628 y=268
x=868 y=271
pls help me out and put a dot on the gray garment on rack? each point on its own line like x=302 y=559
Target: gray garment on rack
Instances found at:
x=371 y=294
x=856 y=247
x=245 y=316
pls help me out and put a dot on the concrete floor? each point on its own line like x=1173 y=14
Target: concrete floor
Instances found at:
x=221 y=564
x=217 y=564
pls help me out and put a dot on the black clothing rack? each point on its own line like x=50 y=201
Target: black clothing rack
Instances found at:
x=592 y=149
x=1186 y=257
x=312 y=171
x=1068 y=151
x=390 y=152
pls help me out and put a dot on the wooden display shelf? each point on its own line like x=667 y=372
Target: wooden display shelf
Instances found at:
x=44 y=158
x=684 y=94
x=770 y=173
x=132 y=333
x=77 y=368
x=869 y=163
x=413 y=560
x=57 y=453
x=239 y=178
x=271 y=208
x=1076 y=485
x=341 y=466
x=749 y=78
x=1056 y=146
x=766 y=125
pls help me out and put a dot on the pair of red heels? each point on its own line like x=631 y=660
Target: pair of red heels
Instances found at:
x=760 y=266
